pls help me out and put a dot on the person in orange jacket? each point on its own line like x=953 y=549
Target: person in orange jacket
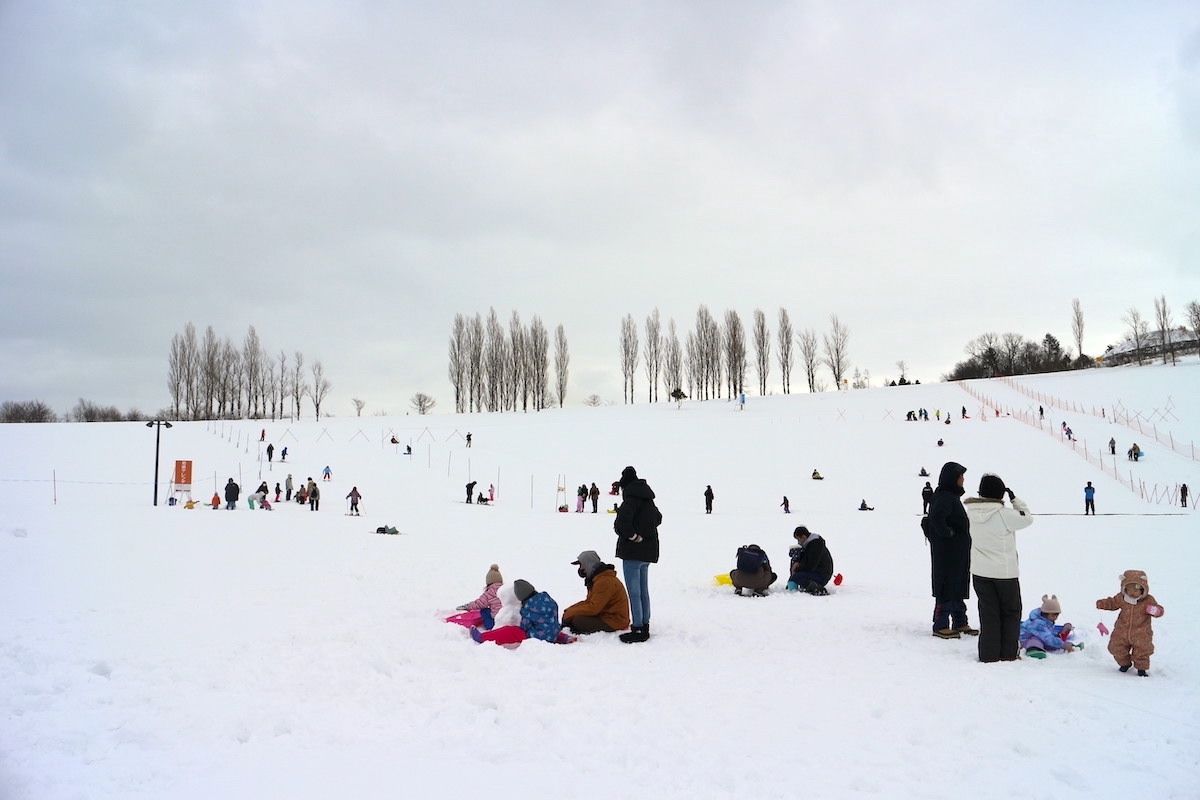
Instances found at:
x=606 y=607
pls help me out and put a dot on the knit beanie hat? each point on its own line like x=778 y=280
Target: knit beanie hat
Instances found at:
x=991 y=487
x=1050 y=604
x=523 y=589
x=493 y=576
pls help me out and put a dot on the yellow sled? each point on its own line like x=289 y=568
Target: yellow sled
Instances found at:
x=723 y=579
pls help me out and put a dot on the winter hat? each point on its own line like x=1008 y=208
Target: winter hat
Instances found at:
x=1134 y=577
x=628 y=476
x=523 y=589
x=493 y=576
x=1050 y=604
x=991 y=487
x=589 y=560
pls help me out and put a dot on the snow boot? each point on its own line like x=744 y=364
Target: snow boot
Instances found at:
x=1124 y=668
x=947 y=633
x=636 y=634
x=1143 y=673
x=966 y=629
x=816 y=589
x=1033 y=652
x=477 y=635
x=738 y=591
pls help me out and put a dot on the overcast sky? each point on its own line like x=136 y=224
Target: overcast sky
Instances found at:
x=348 y=176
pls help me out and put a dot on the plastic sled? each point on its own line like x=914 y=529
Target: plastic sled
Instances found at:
x=723 y=579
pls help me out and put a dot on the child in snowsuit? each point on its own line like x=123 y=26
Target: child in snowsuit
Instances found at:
x=490 y=599
x=1040 y=634
x=1132 y=640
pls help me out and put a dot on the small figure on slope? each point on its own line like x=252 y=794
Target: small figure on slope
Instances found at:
x=354 y=497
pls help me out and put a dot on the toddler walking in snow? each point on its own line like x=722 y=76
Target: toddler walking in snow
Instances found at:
x=1132 y=640
x=473 y=612
x=1041 y=633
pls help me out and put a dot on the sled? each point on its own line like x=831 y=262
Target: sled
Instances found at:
x=723 y=579
x=386 y=529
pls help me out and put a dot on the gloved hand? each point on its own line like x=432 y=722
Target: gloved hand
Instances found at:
x=1154 y=611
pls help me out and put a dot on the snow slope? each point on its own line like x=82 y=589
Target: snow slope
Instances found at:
x=169 y=653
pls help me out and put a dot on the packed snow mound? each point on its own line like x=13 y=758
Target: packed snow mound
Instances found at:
x=168 y=652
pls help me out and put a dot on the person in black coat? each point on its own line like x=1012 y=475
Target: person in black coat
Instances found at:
x=636 y=527
x=949 y=532
x=232 y=490
x=926 y=497
x=708 y=498
x=812 y=565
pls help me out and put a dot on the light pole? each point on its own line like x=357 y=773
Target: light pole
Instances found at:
x=158 y=425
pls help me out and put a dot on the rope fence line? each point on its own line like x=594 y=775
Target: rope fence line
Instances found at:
x=1120 y=415
x=1156 y=494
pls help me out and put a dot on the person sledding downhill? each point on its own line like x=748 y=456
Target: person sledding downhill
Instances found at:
x=1132 y=641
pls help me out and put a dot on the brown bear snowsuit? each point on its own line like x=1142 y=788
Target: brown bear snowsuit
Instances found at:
x=1132 y=636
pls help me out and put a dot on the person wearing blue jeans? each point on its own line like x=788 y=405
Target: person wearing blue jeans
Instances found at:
x=636 y=526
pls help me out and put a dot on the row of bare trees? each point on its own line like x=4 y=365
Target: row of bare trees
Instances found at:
x=1165 y=333
x=496 y=370
x=713 y=356
x=212 y=378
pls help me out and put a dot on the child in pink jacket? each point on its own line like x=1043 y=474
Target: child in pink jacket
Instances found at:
x=490 y=600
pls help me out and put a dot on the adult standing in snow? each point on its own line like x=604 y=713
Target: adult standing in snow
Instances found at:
x=787 y=507
x=270 y=453
x=606 y=607
x=283 y=455
x=354 y=497
x=949 y=532
x=1183 y=494
x=470 y=491
x=289 y=486
x=636 y=527
x=1089 y=499
x=1112 y=446
x=708 y=498
x=580 y=497
x=232 y=490
x=314 y=498
x=594 y=496
x=926 y=498
x=994 y=567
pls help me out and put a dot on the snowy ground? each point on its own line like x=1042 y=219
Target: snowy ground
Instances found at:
x=170 y=653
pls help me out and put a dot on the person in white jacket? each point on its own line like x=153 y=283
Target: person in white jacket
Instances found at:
x=994 y=571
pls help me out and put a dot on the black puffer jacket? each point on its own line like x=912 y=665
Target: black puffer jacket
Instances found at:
x=949 y=532
x=637 y=516
x=812 y=557
x=232 y=490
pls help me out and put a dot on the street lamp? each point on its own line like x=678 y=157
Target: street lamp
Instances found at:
x=158 y=425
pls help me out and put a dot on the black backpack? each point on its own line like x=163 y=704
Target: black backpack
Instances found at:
x=751 y=558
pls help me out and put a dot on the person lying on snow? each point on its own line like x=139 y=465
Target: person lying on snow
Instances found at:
x=536 y=613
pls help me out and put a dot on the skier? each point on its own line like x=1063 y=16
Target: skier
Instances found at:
x=354 y=497
x=594 y=494
x=270 y=453
x=1089 y=499
x=232 y=490
x=283 y=455
x=1041 y=413
x=262 y=437
x=470 y=491
x=708 y=498
x=327 y=473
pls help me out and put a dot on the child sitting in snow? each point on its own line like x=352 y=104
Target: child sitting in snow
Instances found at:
x=1132 y=640
x=536 y=617
x=1040 y=633
x=473 y=612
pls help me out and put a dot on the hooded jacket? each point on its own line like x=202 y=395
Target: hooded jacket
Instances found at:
x=539 y=617
x=949 y=532
x=606 y=599
x=812 y=556
x=1133 y=626
x=232 y=490
x=638 y=518
x=993 y=539
x=1048 y=636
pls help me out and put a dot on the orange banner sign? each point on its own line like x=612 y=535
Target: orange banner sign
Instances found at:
x=183 y=474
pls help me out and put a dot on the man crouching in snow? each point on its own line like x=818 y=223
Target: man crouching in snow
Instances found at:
x=606 y=608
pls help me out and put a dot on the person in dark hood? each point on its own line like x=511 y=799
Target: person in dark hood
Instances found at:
x=232 y=490
x=949 y=532
x=606 y=607
x=636 y=527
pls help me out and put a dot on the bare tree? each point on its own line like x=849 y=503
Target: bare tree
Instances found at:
x=229 y=392
x=476 y=371
x=359 y=405
x=1193 y=316
x=652 y=349
x=593 y=400
x=836 y=353
x=1162 y=315
x=299 y=387
x=672 y=360
x=320 y=387
x=210 y=370
x=538 y=362
x=252 y=365
x=284 y=382
x=190 y=362
x=762 y=349
x=733 y=337
x=175 y=377
x=1138 y=331
x=272 y=381
x=708 y=370
x=629 y=354
x=902 y=367
x=517 y=380
x=1011 y=345
x=28 y=411
x=495 y=358
x=691 y=364
x=786 y=354
x=458 y=361
x=1077 y=325
x=562 y=363
x=422 y=403
x=809 y=356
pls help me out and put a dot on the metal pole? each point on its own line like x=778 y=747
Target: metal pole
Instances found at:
x=157 y=437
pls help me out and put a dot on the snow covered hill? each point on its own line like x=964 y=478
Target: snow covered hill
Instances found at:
x=164 y=652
